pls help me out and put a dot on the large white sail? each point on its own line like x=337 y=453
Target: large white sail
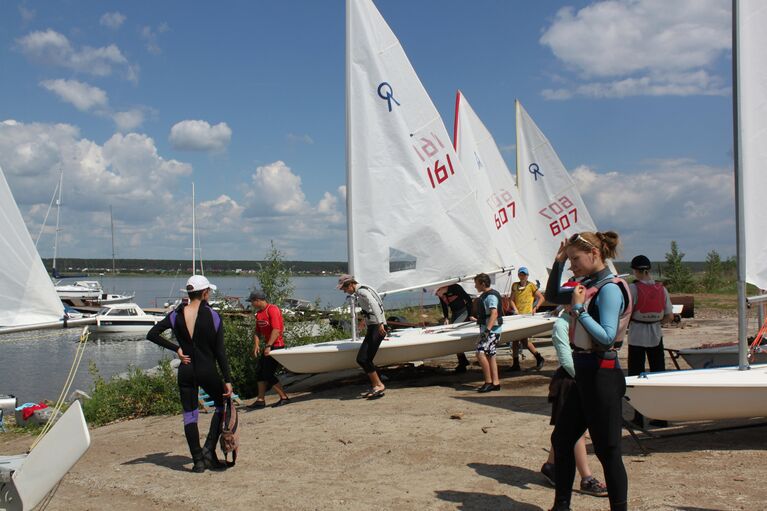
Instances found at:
x=555 y=208
x=413 y=219
x=497 y=195
x=26 y=292
x=752 y=85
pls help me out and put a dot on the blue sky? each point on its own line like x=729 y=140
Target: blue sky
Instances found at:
x=137 y=100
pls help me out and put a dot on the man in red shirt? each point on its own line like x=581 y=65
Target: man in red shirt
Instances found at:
x=269 y=327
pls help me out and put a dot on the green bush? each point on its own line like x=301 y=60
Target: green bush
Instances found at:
x=137 y=395
x=238 y=343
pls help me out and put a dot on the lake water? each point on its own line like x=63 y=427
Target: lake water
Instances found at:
x=34 y=365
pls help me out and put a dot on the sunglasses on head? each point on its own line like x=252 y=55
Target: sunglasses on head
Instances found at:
x=578 y=237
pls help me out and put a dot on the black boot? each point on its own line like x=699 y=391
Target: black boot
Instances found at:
x=192 y=434
x=515 y=368
x=209 y=449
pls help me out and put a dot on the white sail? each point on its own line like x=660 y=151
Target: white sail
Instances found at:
x=752 y=84
x=497 y=195
x=412 y=212
x=555 y=208
x=26 y=291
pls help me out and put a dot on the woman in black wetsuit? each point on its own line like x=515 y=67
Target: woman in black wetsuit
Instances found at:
x=601 y=308
x=200 y=335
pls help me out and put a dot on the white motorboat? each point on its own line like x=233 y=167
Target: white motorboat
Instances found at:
x=406 y=345
x=124 y=318
x=700 y=394
x=741 y=391
x=88 y=293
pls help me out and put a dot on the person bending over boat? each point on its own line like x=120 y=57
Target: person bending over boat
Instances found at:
x=601 y=308
x=200 y=335
x=652 y=306
x=455 y=299
x=375 y=319
x=489 y=321
x=562 y=383
x=269 y=327
x=525 y=299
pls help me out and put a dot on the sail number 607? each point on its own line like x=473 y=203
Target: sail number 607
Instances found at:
x=560 y=211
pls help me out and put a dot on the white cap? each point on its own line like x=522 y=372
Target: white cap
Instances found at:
x=198 y=283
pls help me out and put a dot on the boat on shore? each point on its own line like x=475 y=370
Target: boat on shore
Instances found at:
x=124 y=318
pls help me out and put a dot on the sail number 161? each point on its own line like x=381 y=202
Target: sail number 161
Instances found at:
x=560 y=212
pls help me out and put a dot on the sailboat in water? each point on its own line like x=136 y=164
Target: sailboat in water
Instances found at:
x=737 y=391
x=413 y=220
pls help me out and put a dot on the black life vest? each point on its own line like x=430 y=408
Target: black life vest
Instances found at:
x=481 y=314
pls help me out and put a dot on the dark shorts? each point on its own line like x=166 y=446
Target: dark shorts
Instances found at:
x=267 y=366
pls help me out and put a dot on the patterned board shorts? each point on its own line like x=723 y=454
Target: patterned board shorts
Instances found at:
x=487 y=343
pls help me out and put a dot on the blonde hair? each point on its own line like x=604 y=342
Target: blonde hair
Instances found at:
x=606 y=242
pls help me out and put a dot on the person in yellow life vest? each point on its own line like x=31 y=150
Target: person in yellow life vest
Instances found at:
x=525 y=299
x=652 y=307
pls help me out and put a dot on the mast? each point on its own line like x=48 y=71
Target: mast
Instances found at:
x=740 y=238
x=194 y=266
x=112 y=225
x=58 y=216
x=349 y=223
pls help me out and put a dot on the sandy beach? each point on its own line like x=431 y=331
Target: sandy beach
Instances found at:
x=430 y=443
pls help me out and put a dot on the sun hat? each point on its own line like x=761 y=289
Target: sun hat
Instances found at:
x=198 y=283
x=256 y=295
x=641 y=262
x=524 y=270
x=344 y=279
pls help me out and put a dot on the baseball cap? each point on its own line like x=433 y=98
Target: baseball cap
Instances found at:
x=344 y=279
x=641 y=262
x=524 y=270
x=256 y=295
x=198 y=283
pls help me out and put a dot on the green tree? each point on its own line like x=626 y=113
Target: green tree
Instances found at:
x=678 y=276
x=714 y=276
x=274 y=277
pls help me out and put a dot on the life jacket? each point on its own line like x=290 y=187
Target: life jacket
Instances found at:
x=230 y=432
x=481 y=314
x=579 y=336
x=378 y=299
x=651 y=301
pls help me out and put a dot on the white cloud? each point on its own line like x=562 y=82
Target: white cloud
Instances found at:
x=276 y=189
x=195 y=135
x=52 y=48
x=669 y=200
x=84 y=97
x=150 y=36
x=26 y=13
x=620 y=48
x=113 y=20
x=303 y=139
x=128 y=120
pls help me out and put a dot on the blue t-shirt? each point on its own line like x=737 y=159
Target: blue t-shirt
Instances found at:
x=490 y=302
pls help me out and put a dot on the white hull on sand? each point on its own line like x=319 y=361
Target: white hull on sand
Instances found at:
x=721 y=356
x=406 y=345
x=700 y=394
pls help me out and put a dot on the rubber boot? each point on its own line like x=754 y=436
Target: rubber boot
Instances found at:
x=192 y=434
x=539 y=362
x=209 y=449
x=515 y=368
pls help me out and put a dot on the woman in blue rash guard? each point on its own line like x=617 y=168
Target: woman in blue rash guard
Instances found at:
x=200 y=335
x=601 y=309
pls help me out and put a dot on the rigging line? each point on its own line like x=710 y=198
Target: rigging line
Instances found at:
x=45 y=220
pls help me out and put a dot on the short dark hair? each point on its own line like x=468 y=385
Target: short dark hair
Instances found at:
x=483 y=278
x=196 y=295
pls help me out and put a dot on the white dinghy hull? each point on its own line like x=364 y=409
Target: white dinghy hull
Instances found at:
x=700 y=394
x=406 y=345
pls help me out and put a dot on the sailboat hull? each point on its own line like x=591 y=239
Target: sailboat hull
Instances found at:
x=406 y=345
x=722 y=356
x=700 y=394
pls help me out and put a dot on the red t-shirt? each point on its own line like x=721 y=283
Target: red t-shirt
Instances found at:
x=268 y=320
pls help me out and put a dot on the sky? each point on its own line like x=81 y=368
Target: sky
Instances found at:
x=135 y=101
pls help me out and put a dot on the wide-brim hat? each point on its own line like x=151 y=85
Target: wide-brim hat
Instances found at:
x=198 y=283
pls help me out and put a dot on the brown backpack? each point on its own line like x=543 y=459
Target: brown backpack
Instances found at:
x=230 y=434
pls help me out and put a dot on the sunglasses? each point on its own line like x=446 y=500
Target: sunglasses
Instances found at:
x=578 y=237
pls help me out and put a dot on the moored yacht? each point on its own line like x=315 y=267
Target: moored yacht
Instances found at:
x=124 y=318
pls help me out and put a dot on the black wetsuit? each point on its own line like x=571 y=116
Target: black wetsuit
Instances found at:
x=206 y=348
x=457 y=300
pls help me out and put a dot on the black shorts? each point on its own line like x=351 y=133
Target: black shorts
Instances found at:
x=267 y=366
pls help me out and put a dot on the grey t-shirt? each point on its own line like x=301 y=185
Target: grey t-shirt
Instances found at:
x=647 y=335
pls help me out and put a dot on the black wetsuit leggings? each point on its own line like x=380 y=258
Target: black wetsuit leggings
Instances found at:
x=595 y=404
x=369 y=348
x=203 y=375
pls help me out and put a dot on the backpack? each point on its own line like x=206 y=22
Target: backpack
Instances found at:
x=230 y=433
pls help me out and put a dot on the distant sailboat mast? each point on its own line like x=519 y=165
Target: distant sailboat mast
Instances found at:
x=112 y=226
x=58 y=217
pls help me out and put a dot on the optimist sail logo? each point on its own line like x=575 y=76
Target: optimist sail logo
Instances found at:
x=535 y=170
x=387 y=93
